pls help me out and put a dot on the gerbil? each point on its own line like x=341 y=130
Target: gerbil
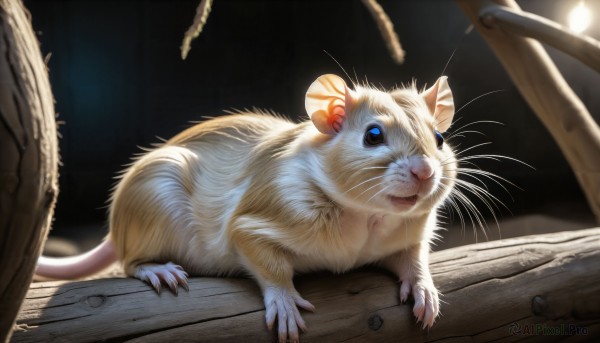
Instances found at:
x=252 y=193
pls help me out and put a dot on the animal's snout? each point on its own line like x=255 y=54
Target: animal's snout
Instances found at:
x=421 y=168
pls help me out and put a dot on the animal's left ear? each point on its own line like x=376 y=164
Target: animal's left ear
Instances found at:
x=328 y=101
x=441 y=103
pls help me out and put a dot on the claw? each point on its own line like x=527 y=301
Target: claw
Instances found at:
x=157 y=288
x=282 y=304
x=169 y=273
x=404 y=291
x=181 y=279
x=184 y=284
x=154 y=281
x=173 y=288
x=426 y=306
x=171 y=281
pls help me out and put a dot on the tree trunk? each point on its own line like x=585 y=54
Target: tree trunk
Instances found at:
x=28 y=158
x=540 y=288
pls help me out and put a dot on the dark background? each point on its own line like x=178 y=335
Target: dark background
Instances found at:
x=119 y=81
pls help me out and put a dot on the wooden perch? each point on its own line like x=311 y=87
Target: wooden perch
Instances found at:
x=546 y=281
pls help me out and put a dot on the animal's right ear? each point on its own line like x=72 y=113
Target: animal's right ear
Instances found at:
x=440 y=101
x=328 y=101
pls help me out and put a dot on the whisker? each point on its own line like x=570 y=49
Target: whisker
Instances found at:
x=462 y=134
x=376 y=194
x=460 y=199
x=479 y=97
x=480 y=193
x=471 y=148
x=339 y=65
x=468 y=163
x=375 y=167
x=483 y=190
x=477 y=122
x=471 y=194
x=453 y=204
x=488 y=175
x=362 y=183
x=473 y=213
x=449 y=160
x=496 y=158
x=368 y=189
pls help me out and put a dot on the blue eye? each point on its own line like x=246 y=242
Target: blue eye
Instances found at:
x=439 y=139
x=374 y=136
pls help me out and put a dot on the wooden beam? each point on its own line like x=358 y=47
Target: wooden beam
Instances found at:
x=28 y=158
x=491 y=290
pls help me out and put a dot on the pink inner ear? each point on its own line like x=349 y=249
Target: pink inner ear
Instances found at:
x=327 y=102
x=337 y=113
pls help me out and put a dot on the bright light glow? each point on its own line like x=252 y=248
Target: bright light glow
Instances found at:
x=580 y=17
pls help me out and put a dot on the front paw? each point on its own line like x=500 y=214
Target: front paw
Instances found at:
x=282 y=303
x=427 y=302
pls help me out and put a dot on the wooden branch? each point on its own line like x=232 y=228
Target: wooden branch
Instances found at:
x=550 y=97
x=582 y=47
x=552 y=281
x=28 y=158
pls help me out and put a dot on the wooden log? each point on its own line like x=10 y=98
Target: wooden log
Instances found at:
x=540 y=288
x=28 y=158
x=548 y=94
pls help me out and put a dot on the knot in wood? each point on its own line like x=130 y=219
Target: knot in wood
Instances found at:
x=375 y=322
x=95 y=300
x=539 y=305
x=355 y=289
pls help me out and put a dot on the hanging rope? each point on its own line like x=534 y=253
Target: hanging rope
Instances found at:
x=386 y=28
x=194 y=30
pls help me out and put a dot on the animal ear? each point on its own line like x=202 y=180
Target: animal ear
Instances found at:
x=441 y=103
x=328 y=101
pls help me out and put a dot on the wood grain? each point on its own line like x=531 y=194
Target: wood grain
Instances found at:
x=543 y=281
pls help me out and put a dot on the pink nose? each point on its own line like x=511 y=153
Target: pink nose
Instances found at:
x=421 y=169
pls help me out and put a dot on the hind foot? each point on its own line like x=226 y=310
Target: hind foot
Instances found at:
x=156 y=274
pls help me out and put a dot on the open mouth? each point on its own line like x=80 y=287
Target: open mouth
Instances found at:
x=405 y=201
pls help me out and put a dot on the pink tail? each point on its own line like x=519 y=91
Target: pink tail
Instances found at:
x=78 y=266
